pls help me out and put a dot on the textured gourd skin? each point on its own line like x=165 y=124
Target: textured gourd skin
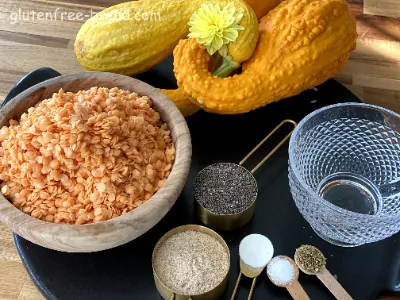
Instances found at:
x=262 y=7
x=302 y=44
x=182 y=101
x=244 y=47
x=131 y=47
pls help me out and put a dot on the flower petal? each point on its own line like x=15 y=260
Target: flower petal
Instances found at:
x=239 y=17
x=223 y=51
x=229 y=10
x=217 y=42
x=231 y=35
x=211 y=50
x=236 y=27
x=214 y=27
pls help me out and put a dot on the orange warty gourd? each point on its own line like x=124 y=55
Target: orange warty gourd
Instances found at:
x=180 y=98
x=302 y=44
x=182 y=101
x=262 y=7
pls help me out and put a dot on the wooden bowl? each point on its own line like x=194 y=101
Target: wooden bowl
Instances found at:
x=120 y=230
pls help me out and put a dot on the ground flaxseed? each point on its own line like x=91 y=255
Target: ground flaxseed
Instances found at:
x=310 y=258
x=225 y=188
x=191 y=262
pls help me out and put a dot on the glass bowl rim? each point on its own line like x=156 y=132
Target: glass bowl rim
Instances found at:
x=304 y=185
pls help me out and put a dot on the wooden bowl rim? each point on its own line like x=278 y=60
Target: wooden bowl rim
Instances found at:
x=183 y=155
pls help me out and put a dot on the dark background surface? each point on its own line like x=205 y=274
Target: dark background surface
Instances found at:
x=125 y=272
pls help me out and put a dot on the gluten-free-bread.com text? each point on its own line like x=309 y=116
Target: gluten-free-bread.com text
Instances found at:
x=61 y=15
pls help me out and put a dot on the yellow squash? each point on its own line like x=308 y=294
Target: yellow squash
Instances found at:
x=182 y=101
x=130 y=38
x=262 y=7
x=302 y=44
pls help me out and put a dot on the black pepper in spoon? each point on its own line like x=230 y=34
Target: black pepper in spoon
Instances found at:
x=312 y=262
x=310 y=258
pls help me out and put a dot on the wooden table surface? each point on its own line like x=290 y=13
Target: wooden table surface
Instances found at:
x=32 y=40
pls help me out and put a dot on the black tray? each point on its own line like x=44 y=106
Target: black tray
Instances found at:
x=125 y=272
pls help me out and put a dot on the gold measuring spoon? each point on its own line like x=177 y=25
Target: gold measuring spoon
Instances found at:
x=311 y=261
x=255 y=251
x=283 y=272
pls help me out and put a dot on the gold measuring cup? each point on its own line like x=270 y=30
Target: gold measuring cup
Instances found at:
x=169 y=294
x=237 y=220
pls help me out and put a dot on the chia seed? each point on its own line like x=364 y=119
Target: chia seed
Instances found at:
x=225 y=188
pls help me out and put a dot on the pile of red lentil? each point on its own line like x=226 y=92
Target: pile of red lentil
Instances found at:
x=85 y=157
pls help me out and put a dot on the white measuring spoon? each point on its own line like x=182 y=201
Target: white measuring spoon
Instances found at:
x=255 y=251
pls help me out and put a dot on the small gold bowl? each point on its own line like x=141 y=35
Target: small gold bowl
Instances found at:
x=169 y=294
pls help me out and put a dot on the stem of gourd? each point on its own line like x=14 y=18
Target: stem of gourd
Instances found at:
x=228 y=66
x=217 y=60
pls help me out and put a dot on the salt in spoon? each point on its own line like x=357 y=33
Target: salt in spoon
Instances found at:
x=311 y=261
x=283 y=272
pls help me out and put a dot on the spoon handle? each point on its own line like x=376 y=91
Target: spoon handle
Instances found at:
x=333 y=285
x=297 y=292
x=236 y=286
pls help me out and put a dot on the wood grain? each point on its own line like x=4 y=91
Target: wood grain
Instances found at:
x=29 y=291
x=29 y=44
x=333 y=285
x=117 y=231
x=374 y=67
x=15 y=283
x=387 y=8
x=12 y=283
x=297 y=292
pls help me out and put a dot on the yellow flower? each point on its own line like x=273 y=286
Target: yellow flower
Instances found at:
x=214 y=28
